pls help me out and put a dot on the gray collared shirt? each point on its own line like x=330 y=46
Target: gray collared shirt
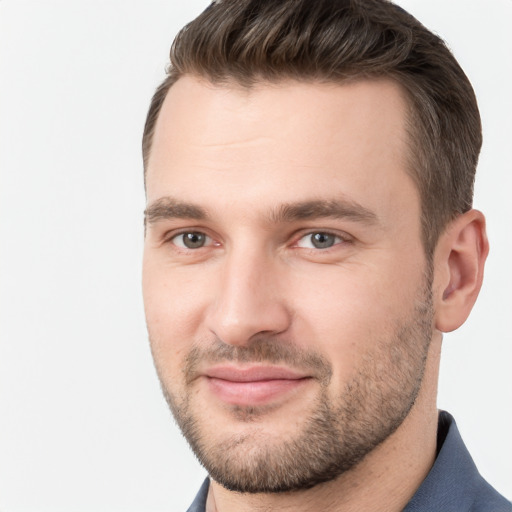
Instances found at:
x=452 y=485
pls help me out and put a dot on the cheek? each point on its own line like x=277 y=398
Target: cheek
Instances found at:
x=339 y=322
x=174 y=305
x=351 y=312
x=341 y=298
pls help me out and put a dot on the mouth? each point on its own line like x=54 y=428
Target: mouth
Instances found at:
x=254 y=385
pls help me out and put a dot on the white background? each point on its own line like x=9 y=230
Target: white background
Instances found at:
x=83 y=426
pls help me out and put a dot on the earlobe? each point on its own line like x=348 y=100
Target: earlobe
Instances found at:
x=458 y=269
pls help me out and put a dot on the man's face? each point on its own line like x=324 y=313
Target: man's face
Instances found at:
x=285 y=284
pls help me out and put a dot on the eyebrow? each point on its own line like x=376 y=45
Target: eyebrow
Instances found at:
x=335 y=208
x=167 y=208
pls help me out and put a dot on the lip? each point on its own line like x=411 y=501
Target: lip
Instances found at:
x=254 y=385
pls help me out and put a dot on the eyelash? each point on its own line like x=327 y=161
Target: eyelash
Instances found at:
x=340 y=239
x=172 y=237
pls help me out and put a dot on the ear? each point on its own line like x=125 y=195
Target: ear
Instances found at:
x=459 y=261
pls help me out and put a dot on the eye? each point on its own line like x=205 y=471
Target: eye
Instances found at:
x=319 y=240
x=191 y=240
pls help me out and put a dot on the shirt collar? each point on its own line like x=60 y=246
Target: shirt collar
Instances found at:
x=452 y=484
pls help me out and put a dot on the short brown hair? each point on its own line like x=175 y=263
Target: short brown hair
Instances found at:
x=249 y=41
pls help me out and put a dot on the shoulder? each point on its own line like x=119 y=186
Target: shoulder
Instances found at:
x=487 y=499
x=454 y=483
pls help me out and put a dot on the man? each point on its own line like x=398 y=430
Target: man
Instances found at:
x=309 y=237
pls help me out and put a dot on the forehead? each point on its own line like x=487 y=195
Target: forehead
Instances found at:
x=285 y=141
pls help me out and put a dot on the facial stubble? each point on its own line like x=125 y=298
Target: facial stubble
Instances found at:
x=338 y=433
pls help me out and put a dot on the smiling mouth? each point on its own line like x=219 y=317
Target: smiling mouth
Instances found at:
x=253 y=386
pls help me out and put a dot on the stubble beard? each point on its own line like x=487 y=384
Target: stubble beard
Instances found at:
x=338 y=433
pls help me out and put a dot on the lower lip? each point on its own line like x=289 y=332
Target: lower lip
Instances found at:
x=255 y=392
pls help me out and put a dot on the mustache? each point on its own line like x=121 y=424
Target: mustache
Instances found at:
x=262 y=349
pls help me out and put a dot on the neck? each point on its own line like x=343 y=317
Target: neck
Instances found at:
x=385 y=480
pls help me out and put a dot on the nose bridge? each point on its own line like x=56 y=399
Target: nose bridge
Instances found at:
x=248 y=300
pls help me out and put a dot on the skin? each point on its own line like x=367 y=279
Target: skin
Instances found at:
x=239 y=155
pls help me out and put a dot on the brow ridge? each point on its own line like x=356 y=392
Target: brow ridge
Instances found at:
x=335 y=208
x=171 y=208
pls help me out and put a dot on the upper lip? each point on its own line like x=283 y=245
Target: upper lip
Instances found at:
x=253 y=373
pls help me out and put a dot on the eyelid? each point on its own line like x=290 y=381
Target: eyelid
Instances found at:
x=169 y=236
x=342 y=235
x=207 y=241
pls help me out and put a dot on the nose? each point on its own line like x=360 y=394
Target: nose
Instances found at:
x=249 y=300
